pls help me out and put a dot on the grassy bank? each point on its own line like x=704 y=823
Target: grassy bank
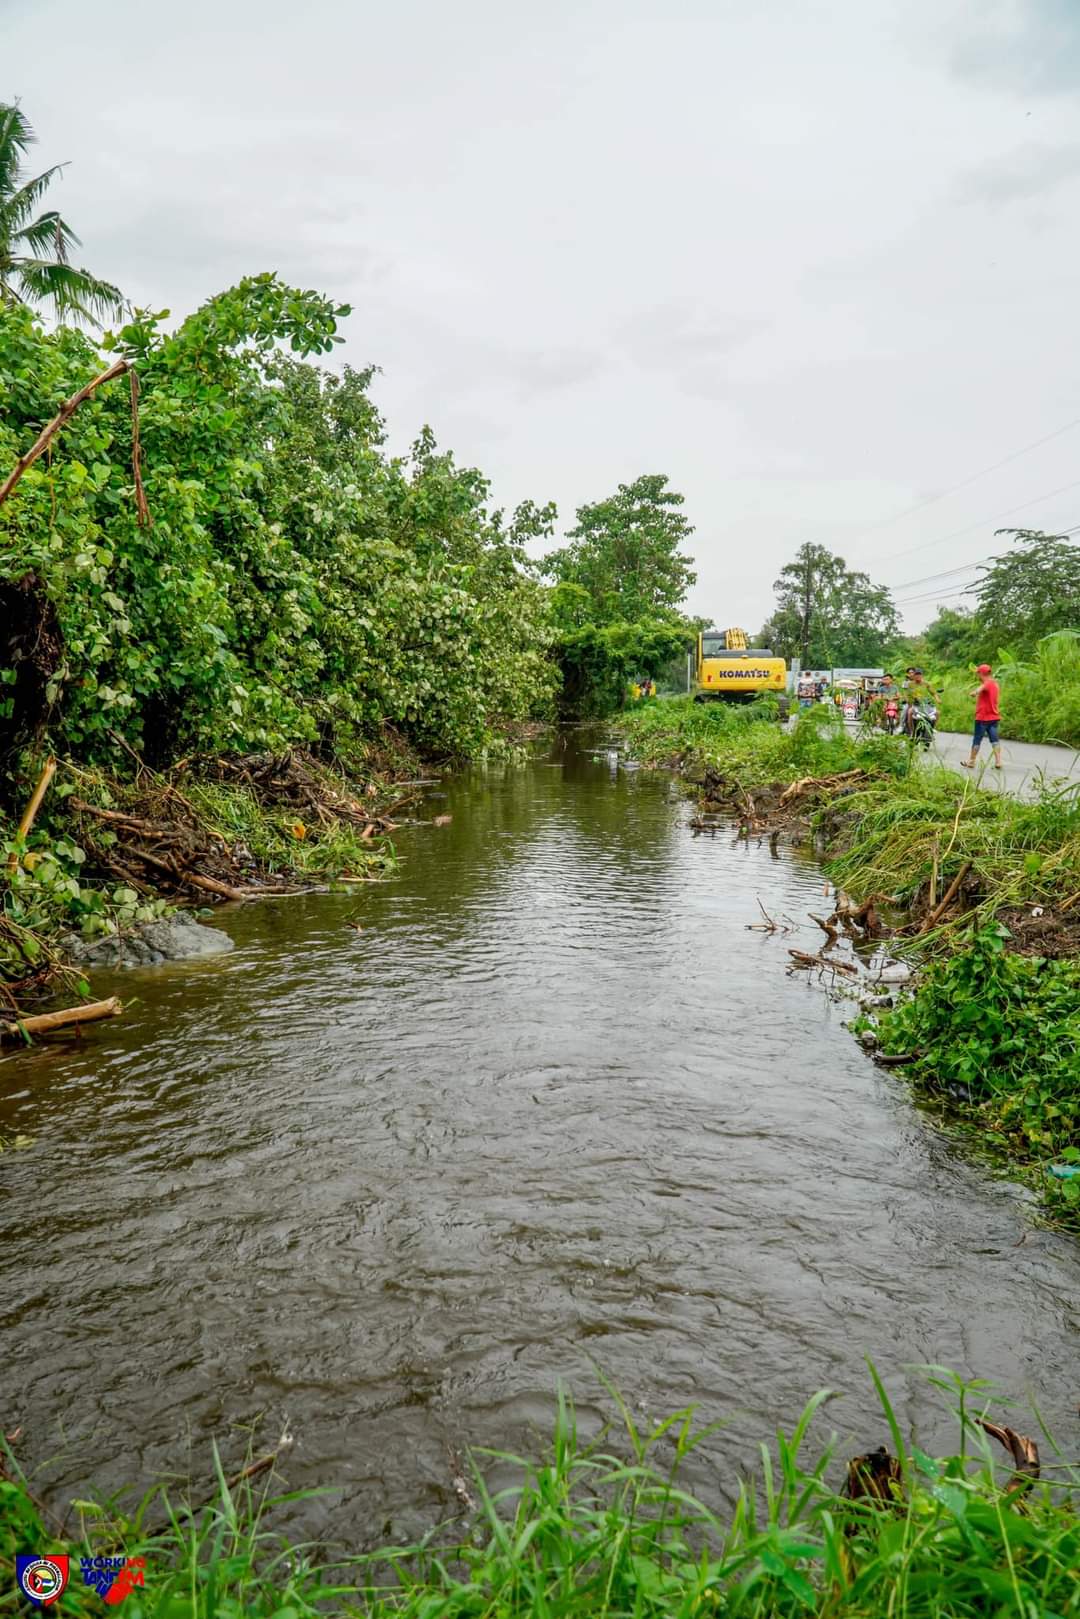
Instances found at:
x=980 y=890
x=607 y=1529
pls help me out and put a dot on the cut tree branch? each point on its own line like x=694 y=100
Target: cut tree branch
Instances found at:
x=49 y=432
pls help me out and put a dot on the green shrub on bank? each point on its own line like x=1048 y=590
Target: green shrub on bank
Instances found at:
x=297 y=583
x=608 y=1530
x=1001 y=1033
x=745 y=741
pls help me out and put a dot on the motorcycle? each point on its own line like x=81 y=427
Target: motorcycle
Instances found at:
x=923 y=723
x=891 y=718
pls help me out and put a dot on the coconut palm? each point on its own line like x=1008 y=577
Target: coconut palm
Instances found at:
x=35 y=247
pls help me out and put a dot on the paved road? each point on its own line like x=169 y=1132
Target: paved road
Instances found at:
x=1024 y=765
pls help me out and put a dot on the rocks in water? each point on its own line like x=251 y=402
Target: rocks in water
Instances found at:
x=174 y=938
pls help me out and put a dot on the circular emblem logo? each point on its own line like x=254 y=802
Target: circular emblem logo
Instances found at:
x=42 y=1580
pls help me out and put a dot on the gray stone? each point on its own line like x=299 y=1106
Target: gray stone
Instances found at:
x=174 y=938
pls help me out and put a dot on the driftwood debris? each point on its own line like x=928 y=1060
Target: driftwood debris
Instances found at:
x=1024 y=1452
x=827 y=928
x=172 y=864
x=807 y=784
x=877 y=1476
x=46 y=1022
x=803 y=958
x=934 y=916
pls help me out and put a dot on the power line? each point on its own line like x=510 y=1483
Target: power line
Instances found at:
x=983 y=521
x=927 y=579
x=975 y=476
x=932 y=596
x=977 y=562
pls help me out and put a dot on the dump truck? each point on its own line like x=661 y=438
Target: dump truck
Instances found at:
x=727 y=669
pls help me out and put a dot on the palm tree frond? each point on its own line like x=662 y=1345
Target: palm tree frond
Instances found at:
x=17 y=208
x=48 y=233
x=35 y=252
x=16 y=139
x=72 y=291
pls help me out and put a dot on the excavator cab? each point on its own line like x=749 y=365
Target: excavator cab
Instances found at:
x=728 y=669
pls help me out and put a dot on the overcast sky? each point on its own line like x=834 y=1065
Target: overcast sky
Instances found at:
x=816 y=260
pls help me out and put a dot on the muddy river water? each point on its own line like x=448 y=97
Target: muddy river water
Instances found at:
x=554 y=1108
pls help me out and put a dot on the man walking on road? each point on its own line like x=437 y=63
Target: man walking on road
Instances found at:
x=987 y=716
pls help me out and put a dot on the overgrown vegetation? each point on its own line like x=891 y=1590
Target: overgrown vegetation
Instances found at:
x=296 y=585
x=746 y=744
x=1000 y=1034
x=1040 y=693
x=619 y=584
x=609 y=1529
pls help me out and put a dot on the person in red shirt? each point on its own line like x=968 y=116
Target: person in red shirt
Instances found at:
x=987 y=715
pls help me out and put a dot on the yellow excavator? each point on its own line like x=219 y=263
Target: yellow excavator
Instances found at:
x=728 y=669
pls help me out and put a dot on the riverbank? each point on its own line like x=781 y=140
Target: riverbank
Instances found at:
x=980 y=891
x=107 y=858
x=608 y=1528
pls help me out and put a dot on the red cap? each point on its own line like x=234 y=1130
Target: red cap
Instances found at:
x=983 y=669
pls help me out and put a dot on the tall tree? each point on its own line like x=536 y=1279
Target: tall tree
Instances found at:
x=1029 y=591
x=624 y=551
x=951 y=637
x=35 y=247
x=829 y=615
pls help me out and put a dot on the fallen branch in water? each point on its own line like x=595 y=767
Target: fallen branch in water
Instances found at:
x=193 y=879
x=803 y=958
x=46 y=1022
x=826 y=927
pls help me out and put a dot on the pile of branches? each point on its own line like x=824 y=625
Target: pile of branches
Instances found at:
x=764 y=808
x=166 y=850
x=295 y=781
x=162 y=843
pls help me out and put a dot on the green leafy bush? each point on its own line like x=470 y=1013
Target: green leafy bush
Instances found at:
x=297 y=584
x=1001 y=1031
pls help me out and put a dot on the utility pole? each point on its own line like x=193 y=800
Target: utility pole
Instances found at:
x=808 y=581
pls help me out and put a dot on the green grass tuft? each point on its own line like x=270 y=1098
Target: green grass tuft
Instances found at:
x=608 y=1531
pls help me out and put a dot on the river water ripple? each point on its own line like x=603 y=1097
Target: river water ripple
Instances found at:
x=555 y=1108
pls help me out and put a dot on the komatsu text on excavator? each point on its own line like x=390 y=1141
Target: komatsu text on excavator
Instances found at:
x=727 y=669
